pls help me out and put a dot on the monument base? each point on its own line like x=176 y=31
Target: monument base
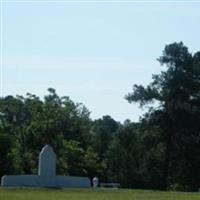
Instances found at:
x=45 y=181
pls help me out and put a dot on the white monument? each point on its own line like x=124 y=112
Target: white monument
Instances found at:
x=46 y=175
x=47 y=162
x=95 y=182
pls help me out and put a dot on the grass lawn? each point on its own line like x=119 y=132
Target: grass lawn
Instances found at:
x=89 y=194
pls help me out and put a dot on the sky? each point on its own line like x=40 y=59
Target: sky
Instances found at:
x=91 y=51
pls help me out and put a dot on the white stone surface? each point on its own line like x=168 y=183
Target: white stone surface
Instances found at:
x=47 y=162
x=95 y=182
x=45 y=181
x=19 y=180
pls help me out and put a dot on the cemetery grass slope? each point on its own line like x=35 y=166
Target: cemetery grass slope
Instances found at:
x=89 y=194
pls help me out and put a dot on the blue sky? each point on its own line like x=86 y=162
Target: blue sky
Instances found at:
x=92 y=51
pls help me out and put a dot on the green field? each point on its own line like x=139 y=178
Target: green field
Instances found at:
x=89 y=194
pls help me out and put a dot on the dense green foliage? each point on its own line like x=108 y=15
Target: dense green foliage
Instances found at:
x=101 y=194
x=161 y=151
x=176 y=116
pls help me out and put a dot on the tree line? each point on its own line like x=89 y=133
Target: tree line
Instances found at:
x=161 y=151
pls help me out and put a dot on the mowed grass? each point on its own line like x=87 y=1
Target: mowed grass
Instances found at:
x=90 y=194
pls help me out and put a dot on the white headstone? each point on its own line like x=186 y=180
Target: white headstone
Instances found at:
x=95 y=182
x=47 y=162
